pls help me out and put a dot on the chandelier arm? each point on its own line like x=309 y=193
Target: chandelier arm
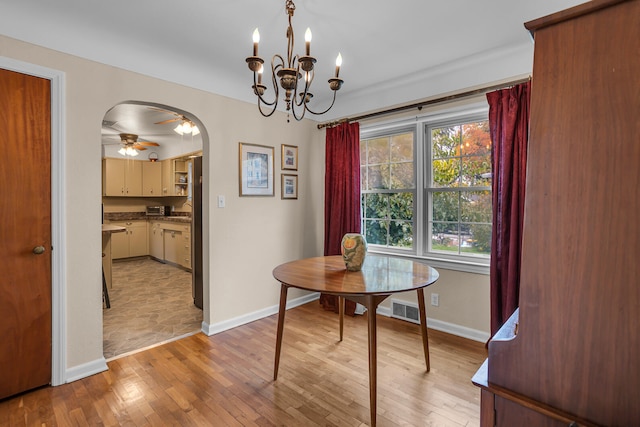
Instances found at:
x=335 y=92
x=295 y=115
x=260 y=98
x=270 y=113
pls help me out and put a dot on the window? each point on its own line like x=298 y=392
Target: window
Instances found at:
x=388 y=189
x=459 y=190
x=426 y=188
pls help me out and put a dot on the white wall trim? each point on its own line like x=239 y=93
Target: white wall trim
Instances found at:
x=256 y=315
x=450 y=328
x=86 y=369
x=58 y=213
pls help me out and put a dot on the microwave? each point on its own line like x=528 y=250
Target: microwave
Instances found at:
x=158 y=210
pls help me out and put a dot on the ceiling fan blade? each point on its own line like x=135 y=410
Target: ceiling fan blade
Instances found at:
x=148 y=143
x=139 y=148
x=161 y=110
x=168 y=121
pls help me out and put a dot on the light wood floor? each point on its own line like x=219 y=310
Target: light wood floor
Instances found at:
x=227 y=380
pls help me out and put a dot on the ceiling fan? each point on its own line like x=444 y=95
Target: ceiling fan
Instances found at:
x=185 y=126
x=131 y=146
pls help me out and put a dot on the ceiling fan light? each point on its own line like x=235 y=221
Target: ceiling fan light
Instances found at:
x=179 y=129
x=195 y=130
x=122 y=151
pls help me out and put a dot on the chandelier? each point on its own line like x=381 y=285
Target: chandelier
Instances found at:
x=294 y=72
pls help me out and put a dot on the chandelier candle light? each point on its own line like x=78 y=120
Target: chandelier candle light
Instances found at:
x=290 y=73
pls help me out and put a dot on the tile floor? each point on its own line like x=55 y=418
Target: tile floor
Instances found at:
x=151 y=303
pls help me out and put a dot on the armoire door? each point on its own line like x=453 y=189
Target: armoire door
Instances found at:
x=25 y=232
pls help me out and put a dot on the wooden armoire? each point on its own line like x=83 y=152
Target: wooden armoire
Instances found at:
x=570 y=355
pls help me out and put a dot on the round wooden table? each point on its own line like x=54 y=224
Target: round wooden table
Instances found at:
x=381 y=276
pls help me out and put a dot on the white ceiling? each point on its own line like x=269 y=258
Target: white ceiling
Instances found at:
x=204 y=44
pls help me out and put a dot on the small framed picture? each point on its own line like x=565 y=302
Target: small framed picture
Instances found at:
x=256 y=170
x=289 y=157
x=289 y=186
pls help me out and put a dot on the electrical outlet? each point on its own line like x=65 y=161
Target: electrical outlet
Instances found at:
x=435 y=300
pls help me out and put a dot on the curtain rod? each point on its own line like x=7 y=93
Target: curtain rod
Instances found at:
x=419 y=105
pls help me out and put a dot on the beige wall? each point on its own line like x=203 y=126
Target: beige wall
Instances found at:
x=463 y=307
x=243 y=241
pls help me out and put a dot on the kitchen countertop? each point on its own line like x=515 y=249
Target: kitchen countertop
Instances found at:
x=110 y=228
x=182 y=219
x=139 y=216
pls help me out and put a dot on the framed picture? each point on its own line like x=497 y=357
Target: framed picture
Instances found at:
x=290 y=157
x=256 y=170
x=289 y=186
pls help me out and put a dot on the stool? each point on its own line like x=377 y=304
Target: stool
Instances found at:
x=105 y=291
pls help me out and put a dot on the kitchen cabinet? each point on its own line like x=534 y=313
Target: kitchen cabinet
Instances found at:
x=121 y=177
x=167 y=177
x=185 y=259
x=133 y=242
x=151 y=179
x=156 y=240
x=172 y=246
x=175 y=177
x=181 y=177
x=177 y=243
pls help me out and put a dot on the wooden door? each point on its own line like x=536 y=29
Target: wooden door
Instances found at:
x=25 y=232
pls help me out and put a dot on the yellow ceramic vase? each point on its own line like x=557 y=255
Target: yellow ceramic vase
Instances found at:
x=354 y=250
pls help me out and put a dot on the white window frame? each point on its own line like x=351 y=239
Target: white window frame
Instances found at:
x=472 y=110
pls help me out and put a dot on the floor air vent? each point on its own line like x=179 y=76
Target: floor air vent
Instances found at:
x=405 y=311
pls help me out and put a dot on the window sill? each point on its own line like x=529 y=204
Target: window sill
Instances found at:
x=444 y=263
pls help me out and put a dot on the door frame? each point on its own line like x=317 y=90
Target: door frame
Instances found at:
x=58 y=223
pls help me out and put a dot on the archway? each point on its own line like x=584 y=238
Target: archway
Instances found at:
x=157 y=248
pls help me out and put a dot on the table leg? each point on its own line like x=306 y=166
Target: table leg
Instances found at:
x=423 y=327
x=341 y=311
x=373 y=358
x=281 y=310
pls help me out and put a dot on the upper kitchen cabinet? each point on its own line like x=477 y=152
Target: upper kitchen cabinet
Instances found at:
x=151 y=178
x=175 y=177
x=121 y=177
x=131 y=178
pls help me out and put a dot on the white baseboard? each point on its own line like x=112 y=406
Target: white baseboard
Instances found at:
x=100 y=365
x=256 y=315
x=450 y=328
x=86 y=370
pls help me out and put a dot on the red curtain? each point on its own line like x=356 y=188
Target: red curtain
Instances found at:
x=341 y=194
x=509 y=127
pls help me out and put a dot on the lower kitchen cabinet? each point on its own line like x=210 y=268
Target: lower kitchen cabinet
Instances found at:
x=156 y=240
x=171 y=242
x=185 y=259
x=172 y=246
x=132 y=242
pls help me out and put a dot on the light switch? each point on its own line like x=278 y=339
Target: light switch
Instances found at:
x=221 y=201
